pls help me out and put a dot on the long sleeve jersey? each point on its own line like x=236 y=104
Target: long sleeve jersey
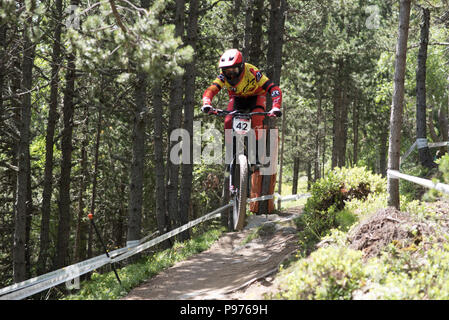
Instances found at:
x=252 y=83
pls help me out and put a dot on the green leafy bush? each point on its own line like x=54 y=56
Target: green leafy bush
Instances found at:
x=404 y=270
x=322 y=211
x=443 y=166
x=328 y=273
x=404 y=275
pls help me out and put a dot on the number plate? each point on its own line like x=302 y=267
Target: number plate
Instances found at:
x=241 y=126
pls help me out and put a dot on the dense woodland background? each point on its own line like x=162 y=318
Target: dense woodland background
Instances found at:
x=90 y=91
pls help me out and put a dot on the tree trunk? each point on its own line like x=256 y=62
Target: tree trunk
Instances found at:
x=29 y=216
x=235 y=26
x=309 y=175
x=324 y=135
x=81 y=227
x=340 y=118
x=23 y=204
x=443 y=124
x=175 y=123
x=255 y=51
x=383 y=152
x=397 y=103
x=3 y=28
x=138 y=160
x=318 y=134
x=120 y=221
x=248 y=19
x=274 y=64
x=49 y=138
x=135 y=206
x=62 y=251
x=189 y=105
x=94 y=177
x=295 y=175
x=355 y=129
x=161 y=209
x=421 y=137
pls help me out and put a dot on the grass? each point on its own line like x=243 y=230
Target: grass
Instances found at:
x=105 y=286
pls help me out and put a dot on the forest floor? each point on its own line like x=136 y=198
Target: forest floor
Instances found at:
x=239 y=266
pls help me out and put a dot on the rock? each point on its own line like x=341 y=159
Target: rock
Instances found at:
x=267 y=229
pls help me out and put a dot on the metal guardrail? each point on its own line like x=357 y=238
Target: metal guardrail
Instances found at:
x=35 y=285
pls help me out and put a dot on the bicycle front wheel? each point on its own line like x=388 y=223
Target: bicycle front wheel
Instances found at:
x=239 y=207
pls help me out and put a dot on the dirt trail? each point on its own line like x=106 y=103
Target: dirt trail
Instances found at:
x=230 y=269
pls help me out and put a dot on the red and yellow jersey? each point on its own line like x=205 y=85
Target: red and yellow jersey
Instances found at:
x=252 y=83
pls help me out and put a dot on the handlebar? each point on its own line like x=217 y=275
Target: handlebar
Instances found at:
x=219 y=112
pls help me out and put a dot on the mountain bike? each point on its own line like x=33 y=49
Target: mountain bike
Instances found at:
x=240 y=168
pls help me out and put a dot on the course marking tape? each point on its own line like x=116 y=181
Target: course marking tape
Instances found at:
x=37 y=284
x=394 y=174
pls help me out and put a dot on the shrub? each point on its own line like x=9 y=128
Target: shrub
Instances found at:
x=330 y=194
x=328 y=273
x=399 y=275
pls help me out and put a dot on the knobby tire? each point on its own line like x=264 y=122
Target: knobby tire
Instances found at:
x=239 y=207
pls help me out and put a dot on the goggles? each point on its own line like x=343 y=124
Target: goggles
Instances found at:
x=231 y=72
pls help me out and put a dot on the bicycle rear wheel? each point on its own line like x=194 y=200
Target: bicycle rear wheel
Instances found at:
x=239 y=207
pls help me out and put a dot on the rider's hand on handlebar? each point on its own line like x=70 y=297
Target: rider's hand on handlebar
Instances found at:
x=207 y=108
x=275 y=112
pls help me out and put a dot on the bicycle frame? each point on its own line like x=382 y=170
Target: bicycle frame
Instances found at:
x=241 y=126
x=243 y=132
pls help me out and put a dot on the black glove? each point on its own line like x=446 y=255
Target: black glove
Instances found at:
x=206 y=108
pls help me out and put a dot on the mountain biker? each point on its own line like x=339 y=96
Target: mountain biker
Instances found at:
x=247 y=88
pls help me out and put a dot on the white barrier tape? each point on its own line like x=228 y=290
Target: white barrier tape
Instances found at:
x=144 y=239
x=32 y=286
x=423 y=182
x=295 y=197
x=35 y=285
x=146 y=245
x=57 y=273
x=277 y=195
x=267 y=197
x=68 y=273
x=422 y=143
x=438 y=144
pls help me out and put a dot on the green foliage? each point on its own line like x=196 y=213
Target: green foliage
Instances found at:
x=414 y=271
x=329 y=273
x=362 y=208
x=144 y=45
x=410 y=190
x=443 y=166
x=345 y=219
x=404 y=277
x=441 y=174
x=322 y=33
x=330 y=194
x=106 y=287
